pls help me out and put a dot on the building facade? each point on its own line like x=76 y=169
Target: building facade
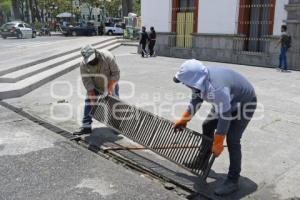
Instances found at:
x=234 y=31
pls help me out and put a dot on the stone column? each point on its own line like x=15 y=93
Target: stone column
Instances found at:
x=293 y=24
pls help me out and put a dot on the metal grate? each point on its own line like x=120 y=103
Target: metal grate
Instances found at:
x=186 y=148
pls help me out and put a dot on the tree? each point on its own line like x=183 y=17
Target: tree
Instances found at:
x=127 y=7
x=137 y=7
x=112 y=7
x=4 y=10
x=16 y=10
x=38 y=11
x=90 y=4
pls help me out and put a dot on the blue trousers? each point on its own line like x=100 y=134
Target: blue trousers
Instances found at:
x=87 y=117
x=283 y=58
x=233 y=137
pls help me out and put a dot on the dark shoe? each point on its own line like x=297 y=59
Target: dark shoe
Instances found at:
x=227 y=188
x=83 y=131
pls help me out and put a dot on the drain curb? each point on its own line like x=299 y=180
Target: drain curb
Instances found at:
x=101 y=151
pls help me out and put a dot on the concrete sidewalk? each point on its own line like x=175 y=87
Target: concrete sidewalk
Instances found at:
x=37 y=164
x=270 y=160
x=56 y=33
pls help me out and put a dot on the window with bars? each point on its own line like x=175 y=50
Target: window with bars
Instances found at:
x=255 y=24
x=186 y=5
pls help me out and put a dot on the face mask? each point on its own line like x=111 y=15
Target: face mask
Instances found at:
x=94 y=62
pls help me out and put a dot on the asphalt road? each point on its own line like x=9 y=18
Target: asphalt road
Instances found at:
x=37 y=164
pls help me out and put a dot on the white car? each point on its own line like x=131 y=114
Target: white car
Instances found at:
x=113 y=29
x=17 y=29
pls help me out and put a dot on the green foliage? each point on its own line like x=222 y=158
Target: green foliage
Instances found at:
x=137 y=7
x=91 y=4
x=5 y=6
x=62 y=6
x=4 y=10
x=112 y=7
x=44 y=7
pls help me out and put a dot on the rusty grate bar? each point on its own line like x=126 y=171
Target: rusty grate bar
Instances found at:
x=186 y=148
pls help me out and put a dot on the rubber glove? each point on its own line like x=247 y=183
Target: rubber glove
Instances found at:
x=182 y=122
x=218 y=146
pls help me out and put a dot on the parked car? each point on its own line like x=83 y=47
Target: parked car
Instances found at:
x=113 y=29
x=17 y=29
x=80 y=30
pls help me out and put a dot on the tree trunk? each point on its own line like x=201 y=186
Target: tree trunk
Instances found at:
x=2 y=17
x=31 y=12
x=37 y=11
x=22 y=9
x=127 y=7
x=90 y=12
x=15 y=8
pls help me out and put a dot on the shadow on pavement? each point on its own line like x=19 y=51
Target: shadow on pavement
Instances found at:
x=105 y=136
x=102 y=136
x=214 y=179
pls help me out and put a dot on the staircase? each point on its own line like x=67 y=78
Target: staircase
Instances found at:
x=20 y=80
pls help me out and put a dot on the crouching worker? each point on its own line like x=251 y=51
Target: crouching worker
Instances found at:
x=100 y=74
x=234 y=102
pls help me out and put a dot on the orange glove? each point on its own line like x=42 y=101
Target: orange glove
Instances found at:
x=182 y=122
x=218 y=146
x=111 y=86
x=92 y=97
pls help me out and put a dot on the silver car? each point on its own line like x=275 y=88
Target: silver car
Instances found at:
x=17 y=29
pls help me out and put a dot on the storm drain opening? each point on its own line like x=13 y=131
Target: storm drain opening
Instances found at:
x=115 y=152
x=186 y=148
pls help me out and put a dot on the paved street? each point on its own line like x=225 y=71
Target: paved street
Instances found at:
x=36 y=164
x=270 y=160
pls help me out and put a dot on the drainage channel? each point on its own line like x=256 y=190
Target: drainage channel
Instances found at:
x=118 y=154
x=187 y=148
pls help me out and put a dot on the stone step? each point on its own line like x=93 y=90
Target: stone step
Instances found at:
x=21 y=74
x=130 y=43
x=10 y=69
x=13 y=90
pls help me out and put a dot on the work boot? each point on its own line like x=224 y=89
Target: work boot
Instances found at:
x=227 y=188
x=83 y=131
